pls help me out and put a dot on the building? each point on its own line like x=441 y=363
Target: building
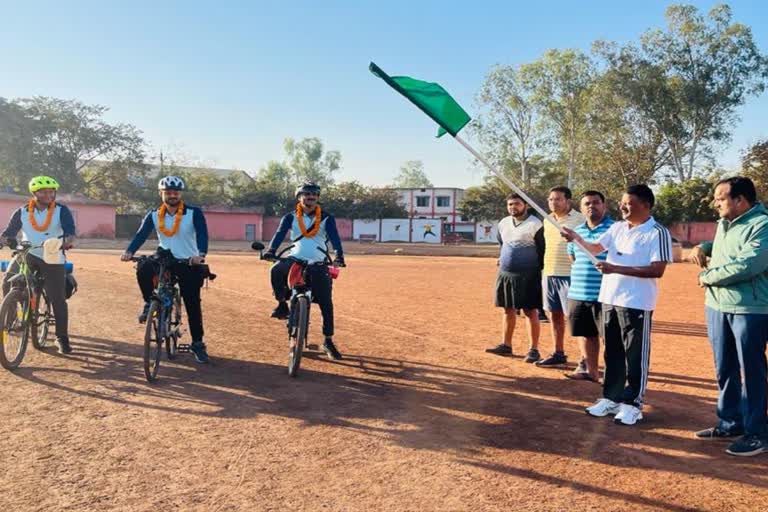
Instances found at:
x=438 y=203
x=225 y=223
x=93 y=219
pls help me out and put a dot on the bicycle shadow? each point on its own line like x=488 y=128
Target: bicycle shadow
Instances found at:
x=413 y=404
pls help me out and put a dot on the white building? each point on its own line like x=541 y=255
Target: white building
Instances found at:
x=437 y=203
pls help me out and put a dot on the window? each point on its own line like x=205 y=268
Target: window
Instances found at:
x=443 y=201
x=250 y=232
x=422 y=201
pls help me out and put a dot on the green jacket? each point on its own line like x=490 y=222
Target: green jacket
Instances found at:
x=737 y=275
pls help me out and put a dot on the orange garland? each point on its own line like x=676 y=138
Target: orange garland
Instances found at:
x=302 y=227
x=176 y=220
x=49 y=216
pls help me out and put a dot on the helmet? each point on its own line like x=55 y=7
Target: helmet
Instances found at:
x=41 y=182
x=171 y=183
x=307 y=186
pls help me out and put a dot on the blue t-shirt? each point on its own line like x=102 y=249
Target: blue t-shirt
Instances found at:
x=585 y=278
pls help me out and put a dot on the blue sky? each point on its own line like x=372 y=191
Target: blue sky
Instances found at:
x=226 y=82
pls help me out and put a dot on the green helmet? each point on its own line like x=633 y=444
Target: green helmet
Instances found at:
x=41 y=182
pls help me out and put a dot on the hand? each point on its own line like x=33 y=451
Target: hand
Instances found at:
x=701 y=285
x=605 y=267
x=126 y=256
x=197 y=260
x=268 y=255
x=698 y=257
x=569 y=234
x=339 y=262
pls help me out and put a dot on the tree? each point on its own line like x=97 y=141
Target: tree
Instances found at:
x=308 y=161
x=754 y=165
x=274 y=189
x=17 y=148
x=484 y=203
x=353 y=200
x=412 y=175
x=509 y=126
x=561 y=82
x=690 y=201
x=689 y=79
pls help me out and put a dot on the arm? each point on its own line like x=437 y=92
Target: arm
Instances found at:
x=751 y=261
x=282 y=230
x=67 y=226
x=14 y=226
x=333 y=235
x=538 y=239
x=594 y=248
x=201 y=231
x=141 y=235
x=654 y=271
x=700 y=253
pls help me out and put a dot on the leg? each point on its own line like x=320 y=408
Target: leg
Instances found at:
x=279 y=277
x=727 y=371
x=322 y=291
x=557 y=327
x=750 y=333
x=615 y=358
x=636 y=330
x=13 y=269
x=55 y=281
x=508 y=326
x=145 y=274
x=190 y=283
x=590 y=348
x=533 y=325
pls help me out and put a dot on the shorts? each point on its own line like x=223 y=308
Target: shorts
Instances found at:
x=518 y=291
x=585 y=318
x=555 y=293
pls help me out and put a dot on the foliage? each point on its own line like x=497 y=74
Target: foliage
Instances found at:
x=412 y=175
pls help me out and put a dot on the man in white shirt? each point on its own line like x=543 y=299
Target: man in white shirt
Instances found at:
x=639 y=250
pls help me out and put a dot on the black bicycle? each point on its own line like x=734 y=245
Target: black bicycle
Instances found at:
x=299 y=304
x=25 y=313
x=164 y=317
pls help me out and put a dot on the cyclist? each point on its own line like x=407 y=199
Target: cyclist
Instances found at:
x=39 y=220
x=311 y=230
x=182 y=230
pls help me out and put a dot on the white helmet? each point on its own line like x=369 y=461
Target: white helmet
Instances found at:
x=171 y=183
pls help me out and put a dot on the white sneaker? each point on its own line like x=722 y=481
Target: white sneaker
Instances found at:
x=628 y=415
x=602 y=407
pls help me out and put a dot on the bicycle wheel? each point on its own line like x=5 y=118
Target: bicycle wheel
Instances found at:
x=299 y=334
x=42 y=319
x=153 y=344
x=14 y=316
x=174 y=326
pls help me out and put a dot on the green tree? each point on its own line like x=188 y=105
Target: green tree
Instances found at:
x=754 y=165
x=412 y=175
x=486 y=202
x=309 y=161
x=690 y=201
x=353 y=200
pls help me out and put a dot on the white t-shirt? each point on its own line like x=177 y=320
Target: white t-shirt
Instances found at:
x=636 y=247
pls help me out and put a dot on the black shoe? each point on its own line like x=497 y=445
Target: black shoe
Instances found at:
x=331 y=351
x=63 y=345
x=144 y=313
x=532 y=356
x=500 y=350
x=716 y=433
x=201 y=354
x=281 y=312
x=556 y=359
x=748 y=446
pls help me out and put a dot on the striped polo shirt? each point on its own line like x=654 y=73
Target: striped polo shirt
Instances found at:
x=585 y=278
x=556 y=262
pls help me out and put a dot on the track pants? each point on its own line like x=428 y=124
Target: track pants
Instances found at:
x=627 y=353
x=320 y=282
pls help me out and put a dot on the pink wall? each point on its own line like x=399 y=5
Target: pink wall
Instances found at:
x=231 y=225
x=271 y=224
x=91 y=220
x=694 y=232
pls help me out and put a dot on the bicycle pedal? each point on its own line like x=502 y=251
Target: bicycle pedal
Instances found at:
x=312 y=346
x=183 y=348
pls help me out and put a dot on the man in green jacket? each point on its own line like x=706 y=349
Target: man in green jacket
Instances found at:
x=736 y=284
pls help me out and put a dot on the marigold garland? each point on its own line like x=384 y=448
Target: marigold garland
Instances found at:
x=48 y=217
x=176 y=220
x=315 y=225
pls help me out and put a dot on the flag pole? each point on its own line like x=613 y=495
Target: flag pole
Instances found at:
x=520 y=192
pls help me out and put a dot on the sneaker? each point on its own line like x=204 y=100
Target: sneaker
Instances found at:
x=63 y=345
x=716 y=433
x=628 y=415
x=201 y=354
x=748 y=446
x=144 y=313
x=281 y=312
x=556 y=359
x=331 y=351
x=532 y=356
x=581 y=367
x=602 y=408
x=500 y=350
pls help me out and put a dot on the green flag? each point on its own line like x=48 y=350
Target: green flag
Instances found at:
x=431 y=98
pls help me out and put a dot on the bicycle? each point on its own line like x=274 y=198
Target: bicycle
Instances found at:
x=299 y=303
x=25 y=313
x=164 y=317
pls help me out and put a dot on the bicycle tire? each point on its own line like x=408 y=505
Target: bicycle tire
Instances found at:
x=300 y=339
x=153 y=346
x=41 y=327
x=17 y=322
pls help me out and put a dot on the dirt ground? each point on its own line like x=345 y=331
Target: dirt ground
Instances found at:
x=416 y=417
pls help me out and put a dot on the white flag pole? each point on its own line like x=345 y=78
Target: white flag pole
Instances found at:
x=520 y=192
